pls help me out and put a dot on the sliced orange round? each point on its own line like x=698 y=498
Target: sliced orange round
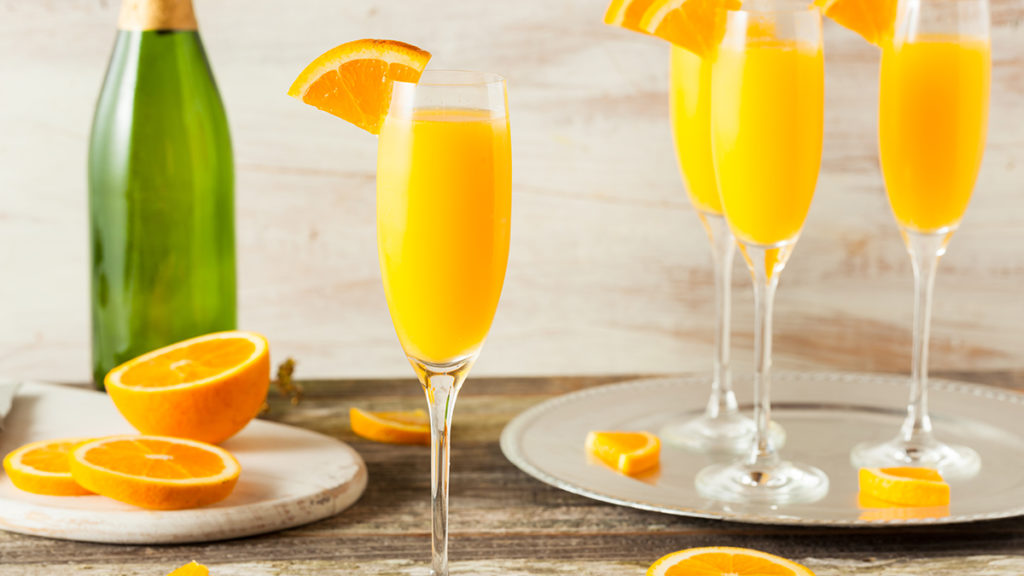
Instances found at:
x=409 y=427
x=696 y=25
x=626 y=13
x=905 y=486
x=627 y=452
x=872 y=19
x=42 y=468
x=725 y=561
x=206 y=388
x=155 y=472
x=191 y=569
x=353 y=81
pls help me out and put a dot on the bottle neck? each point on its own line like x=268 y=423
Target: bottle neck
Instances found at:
x=157 y=15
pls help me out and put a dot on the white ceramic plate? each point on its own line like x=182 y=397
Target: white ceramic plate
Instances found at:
x=824 y=416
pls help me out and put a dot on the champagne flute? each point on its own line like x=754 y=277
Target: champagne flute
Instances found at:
x=767 y=115
x=932 y=121
x=443 y=216
x=721 y=427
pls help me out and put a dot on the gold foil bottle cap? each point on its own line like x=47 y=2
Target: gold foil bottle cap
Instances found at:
x=157 y=15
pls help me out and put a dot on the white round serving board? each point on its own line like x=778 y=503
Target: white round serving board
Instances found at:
x=290 y=476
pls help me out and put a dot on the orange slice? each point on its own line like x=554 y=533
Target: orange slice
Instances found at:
x=206 y=388
x=353 y=81
x=626 y=13
x=696 y=25
x=872 y=19
x=42 y=468
x=874 y=510
x=905 y=486
x=627 y=452
x=411 y=427
x=725 y=561
x=191 y=569
x=155 y=472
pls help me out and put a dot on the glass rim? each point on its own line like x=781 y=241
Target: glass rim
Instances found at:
x=455 y=78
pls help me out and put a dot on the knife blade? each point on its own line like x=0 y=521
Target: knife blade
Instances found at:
x=7 y=390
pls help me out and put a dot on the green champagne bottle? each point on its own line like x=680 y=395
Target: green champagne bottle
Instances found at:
x=161 y=191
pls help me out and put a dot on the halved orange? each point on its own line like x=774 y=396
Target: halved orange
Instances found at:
x=409 y=427
x=42 y=468
x=626 y=13
x=191 y=569
x=725 y=561
x=206 y=388
x=353 y=81
x=627 y=452
x=872 y=19
x=155 y=472
x=905 y=486
x=696 y=25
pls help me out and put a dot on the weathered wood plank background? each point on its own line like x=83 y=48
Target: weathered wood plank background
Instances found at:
x=609 y=270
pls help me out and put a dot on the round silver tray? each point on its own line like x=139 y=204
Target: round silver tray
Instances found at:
x=824 y=415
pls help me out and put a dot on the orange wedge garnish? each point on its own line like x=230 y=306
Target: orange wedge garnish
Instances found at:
x=627 y=452
x=872 y=19
x=725 y=561
x=206 y=388
x=626 y=13
x=191 y=569
x=155 y=472
x=410 y=427
x=353 y=81
x=905 y=486
x=696 y=25
x=42 y=468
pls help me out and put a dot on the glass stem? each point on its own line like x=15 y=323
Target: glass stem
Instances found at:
x=765 y=266
x=723 y=248
x=441 y=388
x=925 y=251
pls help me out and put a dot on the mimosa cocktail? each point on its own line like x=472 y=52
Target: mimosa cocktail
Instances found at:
x=443 y=217
x=933 y=117
x=721 y=427
x=767 y=112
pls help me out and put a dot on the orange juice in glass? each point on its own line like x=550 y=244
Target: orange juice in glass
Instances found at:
x=443 y=214
x=932 y=121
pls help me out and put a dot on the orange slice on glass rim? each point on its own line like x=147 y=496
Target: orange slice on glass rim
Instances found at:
x=627 y=452
x=409 y=427
x=725 y=561
x=353 y=81
x=155 y=472
x=874 y=20
x=42 y=468
x=905 y=486
x=696 y=25
x=626 y=13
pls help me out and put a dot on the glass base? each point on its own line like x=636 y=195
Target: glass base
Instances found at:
x=723 y=434
x=952 y=461
x=743 y=483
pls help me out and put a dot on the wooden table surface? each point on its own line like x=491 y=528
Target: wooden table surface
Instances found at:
x=503 y=521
